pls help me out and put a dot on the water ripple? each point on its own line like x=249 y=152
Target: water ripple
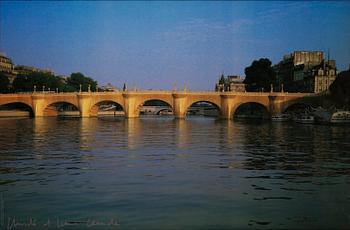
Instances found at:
x=170 y=173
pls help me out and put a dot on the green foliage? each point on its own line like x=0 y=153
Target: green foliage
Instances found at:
x=68 y=88
x=26 y=82
x=259 y=75
x=77 y=79
x=22 y=83
x=340 y=89
x=4 y=83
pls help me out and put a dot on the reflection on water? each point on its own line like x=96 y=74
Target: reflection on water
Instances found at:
x=159 y=172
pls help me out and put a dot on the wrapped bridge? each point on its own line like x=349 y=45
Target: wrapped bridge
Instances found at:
x=42 y=104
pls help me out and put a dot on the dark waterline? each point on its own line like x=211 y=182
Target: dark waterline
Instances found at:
x=162 y=173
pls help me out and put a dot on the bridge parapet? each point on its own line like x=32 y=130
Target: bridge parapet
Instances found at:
x=139 y=92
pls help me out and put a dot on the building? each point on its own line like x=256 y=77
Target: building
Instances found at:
x=291 y=69
x=109 y=88
x=22 y=69
x=298 y=72
x=6 y=64
x=63 y=78
x=231 y=83
x=7 y=67
x=320 y=77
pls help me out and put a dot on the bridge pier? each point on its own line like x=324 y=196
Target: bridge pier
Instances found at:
x=131 y=109
x=275 y=105
x=227 y=102
x=84 y=102
x=180 y=105
x=38 y=105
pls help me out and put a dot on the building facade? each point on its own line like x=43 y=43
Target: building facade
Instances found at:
x=109 y=88
x=231 y=83
x=7 y=67
x=22 y=69
x=6 y=64
x=304 y=71
x=320 y=77
x=12 y=71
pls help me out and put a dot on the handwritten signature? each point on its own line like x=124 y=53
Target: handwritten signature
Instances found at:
x=13 y=223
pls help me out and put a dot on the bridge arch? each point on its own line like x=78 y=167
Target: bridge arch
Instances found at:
x=295 y=100
x=16 y=109
x=166 y=104
x=208 y=102
x=54 y=108
x=296 y=107
x=118 y=107
x=167 y=98
x=13 y=98
x=250 y=109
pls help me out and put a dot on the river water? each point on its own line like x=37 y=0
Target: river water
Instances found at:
x=163 y=173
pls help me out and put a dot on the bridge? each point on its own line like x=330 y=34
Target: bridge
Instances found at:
x=44 y=104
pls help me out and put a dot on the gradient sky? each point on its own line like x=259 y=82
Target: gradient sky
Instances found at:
x=154 y=45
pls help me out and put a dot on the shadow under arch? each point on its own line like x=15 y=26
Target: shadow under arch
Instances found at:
x=297 y=107
x=16 y=109
x=251 y=110
x=61 y=108
x=203 y=108
x=155 y=107
x=312 y=101
x=107 y=108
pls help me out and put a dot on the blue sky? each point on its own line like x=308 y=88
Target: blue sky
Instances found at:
x=154 y=45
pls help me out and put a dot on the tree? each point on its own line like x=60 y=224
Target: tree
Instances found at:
x=339 y=89
x=4 y=83
x=77 y=79
x=259 y=75
x=26 y=82
x=22 y=83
